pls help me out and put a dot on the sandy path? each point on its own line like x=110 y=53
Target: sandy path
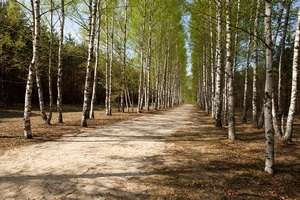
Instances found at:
x=104 y=164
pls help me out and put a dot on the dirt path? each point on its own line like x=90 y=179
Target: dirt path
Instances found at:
x=105 y=164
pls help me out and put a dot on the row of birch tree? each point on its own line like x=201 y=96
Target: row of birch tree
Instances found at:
x=138 y=47
x=238 y=42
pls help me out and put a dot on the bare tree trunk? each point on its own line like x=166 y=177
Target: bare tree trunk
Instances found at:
x=231 y=109
x=59 y=72
x=275 y=118
x=278 y=24
x=95 y=82
x=276 y=127
x=141 y=83
x=34 y=61
x=111 y=62
x=158 y=73
x=40 y=92
x=149 y=58
x=225 y=100
x=165 y=74
x=123 y=90
x=236 y=37
x=212 y=52
x=282 y=50
x=205 y=82
x=289 y=123
x=50 y=65
x=126 y=100
x=255 y=68
x=245 y=106
x=88 y=76
x=218 y=100
x=269 y=133
x=129 y=99
x=107 y=64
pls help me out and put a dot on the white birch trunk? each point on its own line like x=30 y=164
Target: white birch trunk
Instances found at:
x=141 y=82
x=245 y=106
x=278 y=24
x=218 y=100
x=269 y=133
x=225 y=99
x=126 y=100
x=282 y=48
x=212 y=53
x=231 y=109
x=50 y=65
x=158 y=74
x=34 y=61
x=111 y=62
x=107 y=64
x=88 y=76
x=236 y=37
x=59 y=72
x=40 y=92
x=290 y=118
x=123 y=90
x=255 y=68
x=147 y=105
x=95 y=81
x=274 y=110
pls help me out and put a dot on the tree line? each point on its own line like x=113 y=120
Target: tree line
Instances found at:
x=130 y=53
x=245 y=55
x=126 y=53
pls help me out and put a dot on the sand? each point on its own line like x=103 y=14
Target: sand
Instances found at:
x=107 y=163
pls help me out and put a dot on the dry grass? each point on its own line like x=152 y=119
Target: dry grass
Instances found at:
x=11 y=124
x=205 y=165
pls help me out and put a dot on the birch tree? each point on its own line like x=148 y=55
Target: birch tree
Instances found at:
x=245 y=106
x=95 y=81
x=269 y=133
x=60 y=66
x=111 y=61
x=107 y=105
x=87 y=85
x=49 y=117
x=290 y=118
x=255 y=67
x=280 y=73
x=123 y=88
x=218 y=100
x=230 y=86
x=30 y=77
x=149 y=58
x=142 y=53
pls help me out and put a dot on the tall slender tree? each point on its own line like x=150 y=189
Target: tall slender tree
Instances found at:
x=255 y=67
x=269 y=133
x=33 y=63
x=289 y=123
x=49 y=117
x=87 y=86
x=123 y=88
x=245 y=106
x=112 y=34
x=95 y=81
x=229 y=70
x=218 y=80
x=60 y=65
x=142 y=52
x=280 y=72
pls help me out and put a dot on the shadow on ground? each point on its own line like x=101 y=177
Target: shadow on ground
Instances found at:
x=205 y=165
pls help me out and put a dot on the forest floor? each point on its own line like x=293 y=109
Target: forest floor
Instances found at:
x=11 y=124
x=171 y=154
